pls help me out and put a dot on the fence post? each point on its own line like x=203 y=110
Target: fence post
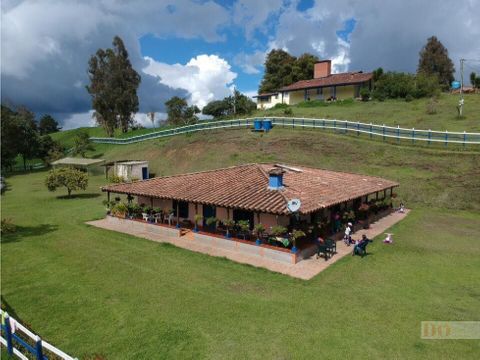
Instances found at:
x=446 y=137
x=324 y=124
x=334 y=125
x=8 y=334
x=358 y=128
x=283 y=122
x=303 y=122
x=293 y=122
x=383 y=132
x=371 y=130
x=413 y=135
x=464 y=138
x=38 y=348
x=429 y=136
x=398 y=134
x=346 y=126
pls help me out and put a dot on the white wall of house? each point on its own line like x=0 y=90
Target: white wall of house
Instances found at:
x=270 y=102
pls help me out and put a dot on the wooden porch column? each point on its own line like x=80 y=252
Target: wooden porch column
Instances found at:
x=376 y=195
x=151 y=202
x=108 y=196
x=258 y=218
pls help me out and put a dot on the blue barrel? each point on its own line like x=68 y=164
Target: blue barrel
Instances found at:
x=456 y=84
x=257 y=124
x=267 y=124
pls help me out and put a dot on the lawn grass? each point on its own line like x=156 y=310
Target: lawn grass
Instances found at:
x=91 y=291
x=394 y=112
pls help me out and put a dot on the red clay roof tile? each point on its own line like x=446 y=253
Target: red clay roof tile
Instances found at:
x=246 y=187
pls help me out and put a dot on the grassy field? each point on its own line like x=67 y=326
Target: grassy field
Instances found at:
x=91 y=291
x=389 y=112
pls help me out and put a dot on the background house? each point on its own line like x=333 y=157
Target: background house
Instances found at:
x=323 y=86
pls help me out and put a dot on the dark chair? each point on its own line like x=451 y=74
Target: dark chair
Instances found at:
x=323 y=248
x=332 y=246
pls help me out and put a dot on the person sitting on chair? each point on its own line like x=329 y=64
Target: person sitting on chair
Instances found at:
x=361 y=247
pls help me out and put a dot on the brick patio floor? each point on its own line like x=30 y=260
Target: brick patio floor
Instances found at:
x=305 y=269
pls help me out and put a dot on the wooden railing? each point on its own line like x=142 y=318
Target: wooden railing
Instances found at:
x=339 y=126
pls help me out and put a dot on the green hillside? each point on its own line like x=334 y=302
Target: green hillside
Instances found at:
x=100 y=294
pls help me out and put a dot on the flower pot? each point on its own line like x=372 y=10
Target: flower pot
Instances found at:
x=195 y=229
x=294 y=250
x=258 y=242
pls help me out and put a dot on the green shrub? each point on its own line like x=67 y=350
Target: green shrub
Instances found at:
x=288 y=111
x=278 y=230
x=365 y=94
x=408 y=97
x=116 y=179
x=432 y=106
x=280 y=106
x=312 y=103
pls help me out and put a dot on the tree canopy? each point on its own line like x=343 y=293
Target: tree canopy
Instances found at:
x=67 y=177
x=179 y=113
x=113 y=87
x=475 y=80
x=282 y=69
x=434 y=60
x=21 y=136
x=48 y=125
x=82 y=144
x=236 y=104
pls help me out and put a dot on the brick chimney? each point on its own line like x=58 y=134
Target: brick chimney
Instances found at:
x=322 y=69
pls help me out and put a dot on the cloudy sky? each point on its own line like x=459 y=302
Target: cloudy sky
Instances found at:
x=201 y=49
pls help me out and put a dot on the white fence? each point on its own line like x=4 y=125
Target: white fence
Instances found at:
x=338 y=126
x=19 y=345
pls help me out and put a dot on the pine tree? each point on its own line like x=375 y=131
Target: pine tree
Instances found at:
x=434 y=60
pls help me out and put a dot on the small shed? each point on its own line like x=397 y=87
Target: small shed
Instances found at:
x=129 y=169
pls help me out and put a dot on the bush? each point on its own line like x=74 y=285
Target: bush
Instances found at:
x=365 y=94
x=67 y=177
x=288 y=111
x=116 y=179
x=312 y=103
x=408 y=98
x=280 y=106
x=7 y=226
x=402 y=85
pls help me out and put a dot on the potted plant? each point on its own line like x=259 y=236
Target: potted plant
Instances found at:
x=244 y=226
x=211 y=221
x=120 y=210
x=229 y=223
x=259 y=230
x=197 y=218
x=136 y=210
x=279 y=231
x=296 y=234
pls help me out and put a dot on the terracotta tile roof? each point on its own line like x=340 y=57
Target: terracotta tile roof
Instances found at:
x=246 y=187
x=330 y=80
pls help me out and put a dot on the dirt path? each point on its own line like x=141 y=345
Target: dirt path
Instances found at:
x=305 y=269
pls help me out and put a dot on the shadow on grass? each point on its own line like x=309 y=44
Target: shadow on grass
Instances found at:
x=97 y=156
x=80 y=196
x=26 y=231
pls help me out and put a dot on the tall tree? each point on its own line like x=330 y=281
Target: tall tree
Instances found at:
x=434 y=60
x=278 y=71
x=303 y=67
x=179 y=113
x=9 y=137
x=113 y=87
x=82 y=144
x=27 y=137
x=49 y=150
x=48 y=125
x=236 y=104
x=475 y=80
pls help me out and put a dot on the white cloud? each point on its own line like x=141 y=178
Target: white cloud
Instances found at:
x=250 y=63
x=72 y=121
x=253 y=14
x=205 y=77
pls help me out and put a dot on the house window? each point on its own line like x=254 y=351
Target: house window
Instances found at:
x=319 y=91
x=182 y=208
